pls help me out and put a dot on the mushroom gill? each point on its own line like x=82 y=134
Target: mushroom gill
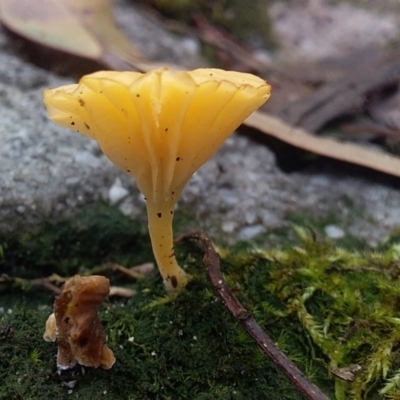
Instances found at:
x=159 y=127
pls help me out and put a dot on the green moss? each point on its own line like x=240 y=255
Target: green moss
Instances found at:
x=324 y=306
x=316 y=226
x=346 y=303
x=243 y=20
x=190 y=348
x=99 y=234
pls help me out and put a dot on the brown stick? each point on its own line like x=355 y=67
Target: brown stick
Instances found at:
x=244 y=317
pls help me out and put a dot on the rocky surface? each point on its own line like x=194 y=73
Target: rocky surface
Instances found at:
x=314 y=29
x=48 y=172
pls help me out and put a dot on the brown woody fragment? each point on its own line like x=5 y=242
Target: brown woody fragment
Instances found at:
x=76 y=326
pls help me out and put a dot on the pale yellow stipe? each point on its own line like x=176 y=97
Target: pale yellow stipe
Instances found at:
x=160 y=227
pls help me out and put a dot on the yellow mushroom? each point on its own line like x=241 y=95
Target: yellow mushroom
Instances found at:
x=159 y=127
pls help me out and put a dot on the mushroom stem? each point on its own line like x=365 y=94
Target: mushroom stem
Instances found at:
x=160 y=218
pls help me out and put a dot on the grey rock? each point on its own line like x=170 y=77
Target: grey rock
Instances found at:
x=315 y=29
x=250 y=232
x=229 y=226
x=117 y=192
x=149 y=36
x=334 y=232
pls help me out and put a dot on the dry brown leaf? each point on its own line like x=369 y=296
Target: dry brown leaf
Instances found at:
x=85 y=28
x=347 y=373
x=348 y=152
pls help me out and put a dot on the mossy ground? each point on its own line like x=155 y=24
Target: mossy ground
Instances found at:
x=326 y=307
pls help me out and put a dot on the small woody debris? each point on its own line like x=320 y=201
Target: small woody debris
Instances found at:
x=144 y=269
x=347 y=373
x=76 y=326
x=121 y=291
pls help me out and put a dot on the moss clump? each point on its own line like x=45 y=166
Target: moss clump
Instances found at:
x=324 y=306
x=346 y=303
x=190 y=348
x=98 y=234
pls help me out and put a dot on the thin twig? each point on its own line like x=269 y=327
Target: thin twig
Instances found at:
x=54 y=281
x=117 y=267
x=244 y=317
x=41 y=282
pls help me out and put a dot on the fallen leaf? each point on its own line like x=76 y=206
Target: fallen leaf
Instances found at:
x=85 y=28
x=348 y=152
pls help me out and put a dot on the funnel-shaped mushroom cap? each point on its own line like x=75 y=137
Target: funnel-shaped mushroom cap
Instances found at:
x=161 y=126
